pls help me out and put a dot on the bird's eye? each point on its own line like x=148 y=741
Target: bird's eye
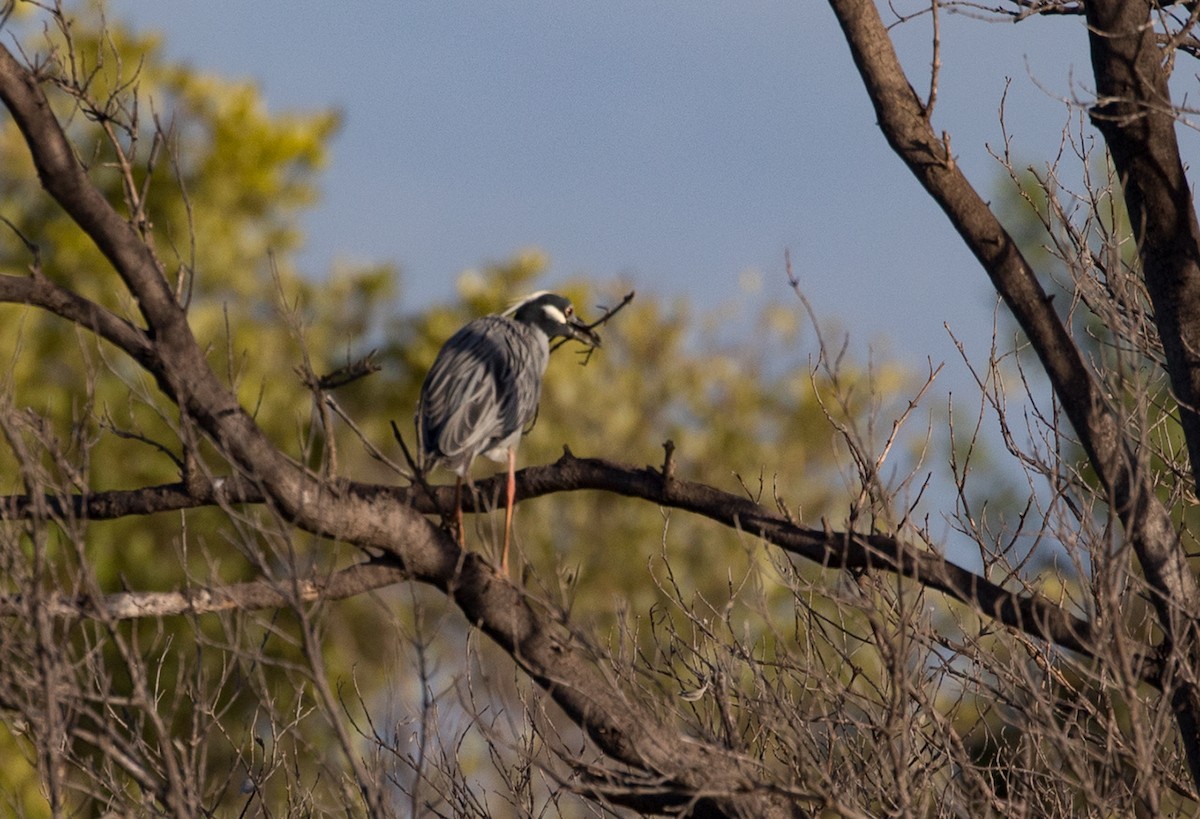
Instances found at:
x=570 y=311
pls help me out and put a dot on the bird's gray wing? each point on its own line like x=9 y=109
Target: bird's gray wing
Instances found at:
x=530 y=352
x=472 y=399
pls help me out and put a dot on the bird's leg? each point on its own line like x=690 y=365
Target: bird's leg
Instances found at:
x=510 y=496
x=458 y=512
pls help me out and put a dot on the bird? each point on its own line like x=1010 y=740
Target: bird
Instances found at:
x=483 y=391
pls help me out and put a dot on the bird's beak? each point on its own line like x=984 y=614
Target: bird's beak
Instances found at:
x=576 y=329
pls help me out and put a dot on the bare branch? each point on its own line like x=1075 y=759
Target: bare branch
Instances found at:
x=39 y=291
x=1030 y=614
x=1098 y=425
x=259 y=594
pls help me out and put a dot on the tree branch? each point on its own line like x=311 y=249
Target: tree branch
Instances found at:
x=258 y=594
x=1145 y=520
x=39 y=291
x=1134 y=113
x=1031 y=614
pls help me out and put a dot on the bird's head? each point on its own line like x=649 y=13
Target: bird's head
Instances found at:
x=553 y=315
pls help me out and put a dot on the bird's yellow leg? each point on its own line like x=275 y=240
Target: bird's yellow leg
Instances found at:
x=510 y=496
x=458 y=513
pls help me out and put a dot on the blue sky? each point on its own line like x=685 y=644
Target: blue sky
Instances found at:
x=673 y=144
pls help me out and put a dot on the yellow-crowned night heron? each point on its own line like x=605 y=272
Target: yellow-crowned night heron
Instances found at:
x=483 y=390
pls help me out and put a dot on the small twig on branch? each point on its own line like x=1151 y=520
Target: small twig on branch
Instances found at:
x=350 y=372
x=372 y=450
x=30 y=245
x=106 y=423
x=418 y=477
x=935 y=63
x=320 y=385
x=609 y=312
x=258 y=594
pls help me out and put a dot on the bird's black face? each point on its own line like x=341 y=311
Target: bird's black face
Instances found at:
x=554 y=316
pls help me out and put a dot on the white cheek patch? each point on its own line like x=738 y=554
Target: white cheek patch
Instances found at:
x=554 y=313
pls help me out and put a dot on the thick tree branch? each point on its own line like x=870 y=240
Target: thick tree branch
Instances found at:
x=39 y=291
x=1146 y=522
x=258 y=594
x=1135 y=115
x=1028 y=613
x=119 y=503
